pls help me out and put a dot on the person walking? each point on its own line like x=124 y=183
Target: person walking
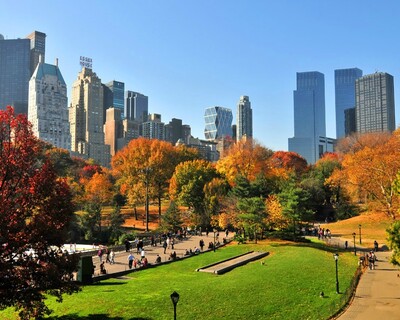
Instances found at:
x=165 y=246
x=130 y=260
x=112 y=257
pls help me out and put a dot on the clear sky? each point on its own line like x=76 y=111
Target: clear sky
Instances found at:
x=188 y=55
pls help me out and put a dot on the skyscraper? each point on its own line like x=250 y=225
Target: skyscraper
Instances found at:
x=136 y=106
x=18 y=60
x=309 y=116
x=218 y=122
x=345 y=96
x=114 y=96
x=244 y=119
x=38 y=48
x=48 y=106
x=375 y=110
x=86 y=118
x=153 y=128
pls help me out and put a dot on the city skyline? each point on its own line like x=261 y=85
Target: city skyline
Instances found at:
x=202 y=55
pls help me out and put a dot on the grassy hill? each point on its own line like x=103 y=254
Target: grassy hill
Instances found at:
x=373 y=227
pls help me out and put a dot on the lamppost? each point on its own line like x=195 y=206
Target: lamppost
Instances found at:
x=336 y=257
x=215 y=231
x=359 y=231
x=175 y=299
x=147 y=172
x=354 y=242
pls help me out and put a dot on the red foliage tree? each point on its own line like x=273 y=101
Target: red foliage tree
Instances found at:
x=35 y=210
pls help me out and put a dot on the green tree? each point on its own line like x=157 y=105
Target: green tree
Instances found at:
x=252 y=215
x=394 y=242
x=188 y=183
x=116 y=221
x=171 y=220
x=294 y=201
x=91 y=221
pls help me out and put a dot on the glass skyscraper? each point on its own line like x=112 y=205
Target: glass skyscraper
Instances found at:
x=114 y=92
x=218 y=122
x=136 y=106
x=244 y=118
x=309 y=116
x=18 y=60
x=345 y=96
x=375 y=110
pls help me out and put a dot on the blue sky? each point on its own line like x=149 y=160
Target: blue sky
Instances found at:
x=188 y=55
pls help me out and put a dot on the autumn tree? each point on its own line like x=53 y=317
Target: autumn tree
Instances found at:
x=244 y=158
x=188 y=183
x=147 y=164
x=369 y=175
x=35 y=211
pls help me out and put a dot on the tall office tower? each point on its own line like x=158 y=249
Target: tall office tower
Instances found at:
x=218 y=122
x=309 y=116
x=244 y=119
x=14 y=73
x=114 y=92
x=86 y=118
x=48 y=105
x=375 y=110
x=136 y=106
x=174 y=130
x=18 y=60
x=345 y=97
x=113 y=129
x=38 y=48
x=349 y=121
x=153 y=128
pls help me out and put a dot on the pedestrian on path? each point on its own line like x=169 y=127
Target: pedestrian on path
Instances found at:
x=112 y=257
x=165 y=246
x=130 y=260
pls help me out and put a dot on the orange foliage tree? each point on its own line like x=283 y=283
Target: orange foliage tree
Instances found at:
x=246 y=158
x=369 y=175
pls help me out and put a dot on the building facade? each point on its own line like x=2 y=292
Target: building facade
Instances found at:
x=48 y=106
x=345 y=96
x=136 y=106
x=18 y=60
x=375 y=109
x=309 y=115
x=244 y=119
x=153 y=128
x=114 y=96
x=218 y=123
x=86 y=118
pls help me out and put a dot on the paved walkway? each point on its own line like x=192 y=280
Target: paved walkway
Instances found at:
x=378 y=293
x=180 y=247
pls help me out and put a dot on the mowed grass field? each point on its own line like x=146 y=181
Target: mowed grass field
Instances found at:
x=286 y=285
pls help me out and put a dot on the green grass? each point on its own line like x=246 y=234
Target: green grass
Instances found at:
x=287 y=286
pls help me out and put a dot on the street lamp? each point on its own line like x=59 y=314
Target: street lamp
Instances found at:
x=336 y=257
x=215 y=231
x=354 y=242
x=146 y=172
x=175 y=299
x=359 y=229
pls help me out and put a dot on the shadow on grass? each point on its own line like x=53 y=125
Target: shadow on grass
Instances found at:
x=94 y=317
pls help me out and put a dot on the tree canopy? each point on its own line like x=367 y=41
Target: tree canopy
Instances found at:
x=35 y=211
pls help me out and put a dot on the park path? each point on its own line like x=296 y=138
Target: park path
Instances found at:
x=180 y=247
x=378 y=293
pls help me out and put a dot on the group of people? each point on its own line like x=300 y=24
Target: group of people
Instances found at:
x=136 y=262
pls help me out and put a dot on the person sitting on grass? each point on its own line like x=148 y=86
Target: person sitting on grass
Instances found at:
x=158 y=259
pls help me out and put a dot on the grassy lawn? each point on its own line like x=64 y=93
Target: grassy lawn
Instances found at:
x=286 y=286
x=373 y=227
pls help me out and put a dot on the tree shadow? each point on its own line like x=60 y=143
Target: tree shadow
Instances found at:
x=94 y=317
